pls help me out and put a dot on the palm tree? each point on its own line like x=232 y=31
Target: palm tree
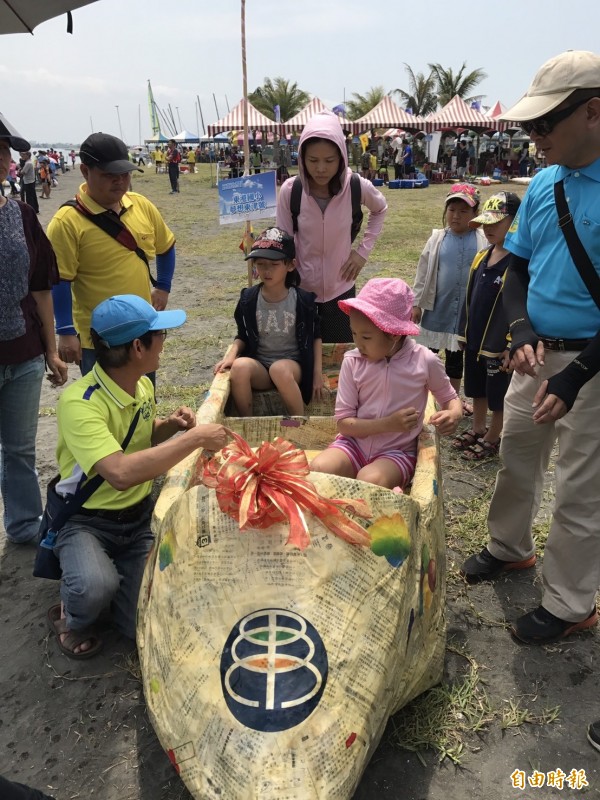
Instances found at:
x=363 y=103
x=279 y=92
x=421 y=96
x=449 y=84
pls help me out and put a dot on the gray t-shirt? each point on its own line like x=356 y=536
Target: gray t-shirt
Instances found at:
x=277 y=329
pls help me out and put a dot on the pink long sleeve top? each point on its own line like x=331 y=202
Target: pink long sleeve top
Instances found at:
x=375 y=389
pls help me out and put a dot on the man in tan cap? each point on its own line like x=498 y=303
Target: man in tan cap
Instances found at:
x=554 y=321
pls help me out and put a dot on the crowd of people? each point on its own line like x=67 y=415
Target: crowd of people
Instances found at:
x=504 y=290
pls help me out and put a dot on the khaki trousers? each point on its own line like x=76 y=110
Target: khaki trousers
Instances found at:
x=571 y=568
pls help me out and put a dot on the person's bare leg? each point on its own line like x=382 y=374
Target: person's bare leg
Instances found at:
x=381 y=472
x=333 y=461
x=286 y=375
x=480 y=408
x=247 y=374
x=495 y=430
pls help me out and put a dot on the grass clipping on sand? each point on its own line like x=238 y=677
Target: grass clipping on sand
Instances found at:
x=443 y=718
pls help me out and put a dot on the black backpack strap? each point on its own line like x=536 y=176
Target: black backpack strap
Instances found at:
x=295 y=200
x=578 y=252
x=357 y=213
x=115 y=228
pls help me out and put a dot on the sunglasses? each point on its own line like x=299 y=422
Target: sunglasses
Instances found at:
x=542 y=126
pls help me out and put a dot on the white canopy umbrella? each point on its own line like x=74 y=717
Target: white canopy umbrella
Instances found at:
x=186 y=136
x=22 y=16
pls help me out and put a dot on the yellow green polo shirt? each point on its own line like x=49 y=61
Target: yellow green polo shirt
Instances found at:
x=96 y=264
x=94 y=415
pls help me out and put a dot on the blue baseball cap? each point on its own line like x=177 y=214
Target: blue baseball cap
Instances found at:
x=126 y=317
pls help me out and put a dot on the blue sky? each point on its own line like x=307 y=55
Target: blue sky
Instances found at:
x=55 y=87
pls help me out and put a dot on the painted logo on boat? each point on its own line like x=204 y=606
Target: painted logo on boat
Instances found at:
x=273 y=669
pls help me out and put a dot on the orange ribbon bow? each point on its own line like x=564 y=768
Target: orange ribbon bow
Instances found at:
x=260 y=488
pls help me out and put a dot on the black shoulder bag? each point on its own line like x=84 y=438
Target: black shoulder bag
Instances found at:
x=58 y=510
x=114 y=228
x=578 y=252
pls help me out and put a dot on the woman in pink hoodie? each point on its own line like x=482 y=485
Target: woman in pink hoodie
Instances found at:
x=326 y=260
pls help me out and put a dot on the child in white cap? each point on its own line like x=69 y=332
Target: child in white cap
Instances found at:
x=383 y=388
x=441 y=278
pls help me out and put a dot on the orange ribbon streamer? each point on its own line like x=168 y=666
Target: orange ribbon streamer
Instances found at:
x=260 y=488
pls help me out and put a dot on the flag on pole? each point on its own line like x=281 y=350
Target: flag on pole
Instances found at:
x=476 y=104
x=154 y=122
x=277 y=111
x=364 y=140
x=247 y=240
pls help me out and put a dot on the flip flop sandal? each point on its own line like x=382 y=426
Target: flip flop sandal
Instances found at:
x=481 y=451
x=72 y=639
x=467 y=439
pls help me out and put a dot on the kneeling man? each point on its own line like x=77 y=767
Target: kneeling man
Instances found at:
x=103 y=548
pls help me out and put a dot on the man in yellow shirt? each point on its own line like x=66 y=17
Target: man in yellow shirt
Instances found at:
x=103 y=547
x=92 y=264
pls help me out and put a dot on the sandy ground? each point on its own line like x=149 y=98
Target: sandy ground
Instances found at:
x=80 y=729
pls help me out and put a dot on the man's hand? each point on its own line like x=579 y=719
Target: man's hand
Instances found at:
x=58 y=369
x=354 y=264
x=525 y=359
x=417 y=313
x=184 y=418
x=69 y=349
x=548 y=407
x=212 y=436
x=160 y=298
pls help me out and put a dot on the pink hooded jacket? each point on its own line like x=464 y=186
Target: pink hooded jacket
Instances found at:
x=323 y=239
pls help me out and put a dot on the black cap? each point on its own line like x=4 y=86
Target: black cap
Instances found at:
x=107 y=153
x=274 y=244
x=13 y=137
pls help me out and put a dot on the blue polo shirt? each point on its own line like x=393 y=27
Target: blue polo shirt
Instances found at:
x=558 y=302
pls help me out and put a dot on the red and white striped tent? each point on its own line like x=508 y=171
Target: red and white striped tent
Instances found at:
x=457 y=115
x=299 y=120
x=386 y=114
x=496 y=110
x=234 y=121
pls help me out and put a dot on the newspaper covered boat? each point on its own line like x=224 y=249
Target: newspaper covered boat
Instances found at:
x=270 y=670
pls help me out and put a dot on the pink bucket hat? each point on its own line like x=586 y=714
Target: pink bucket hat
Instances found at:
x=388 y=303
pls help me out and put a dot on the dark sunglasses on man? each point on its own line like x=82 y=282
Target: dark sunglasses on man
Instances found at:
x=542 y=126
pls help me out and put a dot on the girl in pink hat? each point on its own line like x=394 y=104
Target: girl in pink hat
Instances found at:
x=383 y=388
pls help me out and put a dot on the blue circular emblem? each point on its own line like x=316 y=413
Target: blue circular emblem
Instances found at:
x=273 y=670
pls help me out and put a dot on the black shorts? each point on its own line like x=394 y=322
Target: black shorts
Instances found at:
x=453 y=362
x=483 y=378
x=335 y=324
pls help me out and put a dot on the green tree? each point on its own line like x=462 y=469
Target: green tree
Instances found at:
x=363 y=103
x=421 y=96
x=279 y=92
x=461 y=83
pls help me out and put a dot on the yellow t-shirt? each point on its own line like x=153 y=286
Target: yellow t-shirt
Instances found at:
x=94 y=415
x=191 y=157
x=96 y=264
